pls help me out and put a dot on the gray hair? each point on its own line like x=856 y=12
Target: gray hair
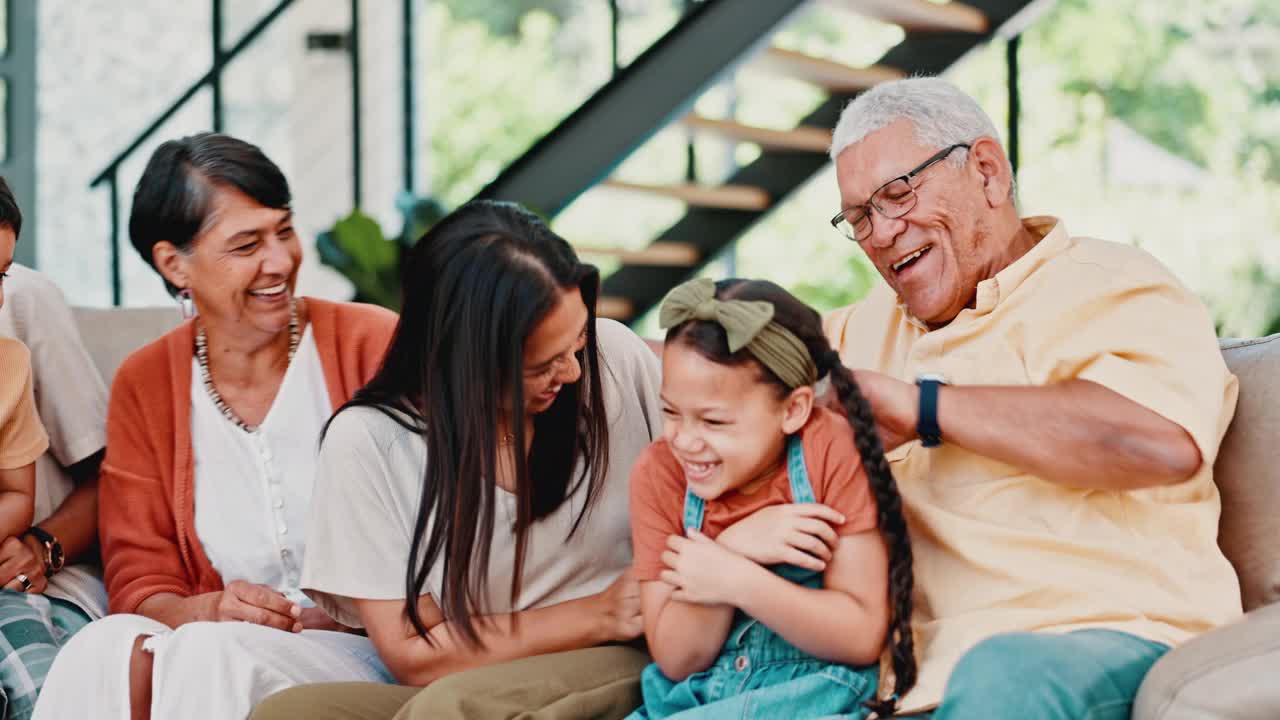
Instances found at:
x=941 y=113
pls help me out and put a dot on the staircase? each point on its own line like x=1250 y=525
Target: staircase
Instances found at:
x=659 y=89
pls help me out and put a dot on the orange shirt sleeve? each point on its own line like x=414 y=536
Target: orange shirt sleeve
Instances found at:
x=137 y=523
x=835 y=471
x=657 y=508
x=22 y=437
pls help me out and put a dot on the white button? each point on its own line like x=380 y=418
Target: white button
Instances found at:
x=284 y=552
x=742 y=663
x=278 y=502
x=284 y=529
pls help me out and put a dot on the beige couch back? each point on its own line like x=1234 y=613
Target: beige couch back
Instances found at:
x=1247 y=468
x=111 y=334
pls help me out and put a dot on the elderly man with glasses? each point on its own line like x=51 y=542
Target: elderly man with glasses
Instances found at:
x=1051 y=406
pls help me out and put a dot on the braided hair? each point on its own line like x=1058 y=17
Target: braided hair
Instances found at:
x=709 y=340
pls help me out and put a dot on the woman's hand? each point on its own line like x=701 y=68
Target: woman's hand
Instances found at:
x=620 y=613
x=703 y=571
x=313 y=618
x=23 y=556
x=802 y=534
x=257 y=604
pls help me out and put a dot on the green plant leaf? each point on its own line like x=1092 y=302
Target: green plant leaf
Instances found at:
x=360 y=238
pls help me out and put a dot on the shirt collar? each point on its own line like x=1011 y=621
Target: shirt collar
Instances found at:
x=1053 y=241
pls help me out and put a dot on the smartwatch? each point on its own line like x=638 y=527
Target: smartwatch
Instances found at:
x=927 y=417
x=54 y=558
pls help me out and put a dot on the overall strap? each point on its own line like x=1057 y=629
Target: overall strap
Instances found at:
x=694 y=509
x=801 y=488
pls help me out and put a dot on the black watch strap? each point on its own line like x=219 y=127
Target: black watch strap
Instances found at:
x=54 y=557
x=927 y=420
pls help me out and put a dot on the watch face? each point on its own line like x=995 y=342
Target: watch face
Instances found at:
x=56 y=558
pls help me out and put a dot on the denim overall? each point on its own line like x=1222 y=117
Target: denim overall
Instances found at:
x=759 y=675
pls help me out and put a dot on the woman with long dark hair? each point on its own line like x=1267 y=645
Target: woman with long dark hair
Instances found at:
x=471 y=506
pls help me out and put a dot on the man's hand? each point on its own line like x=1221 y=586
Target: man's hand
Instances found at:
x=894 y=403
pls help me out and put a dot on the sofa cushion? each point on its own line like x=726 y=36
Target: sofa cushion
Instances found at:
x=1227 y=674
x=110 y=334
x=1246 y=471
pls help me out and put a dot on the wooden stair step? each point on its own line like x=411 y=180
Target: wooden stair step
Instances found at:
x=724 y=197
x=615 y=308
x=803 y=138
x=921 y=15
x=660 y=253
x=834 y=76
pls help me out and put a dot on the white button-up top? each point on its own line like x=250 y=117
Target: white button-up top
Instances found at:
x=253 y=490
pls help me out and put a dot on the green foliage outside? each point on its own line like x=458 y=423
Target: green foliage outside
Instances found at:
x=1198 y=81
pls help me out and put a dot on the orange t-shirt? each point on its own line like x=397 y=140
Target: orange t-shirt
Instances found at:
x=22 y=437
x=658 y=490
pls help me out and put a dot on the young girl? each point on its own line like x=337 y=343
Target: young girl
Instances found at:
x=767 y=591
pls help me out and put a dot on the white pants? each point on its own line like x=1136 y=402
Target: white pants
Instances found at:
x=201 y=670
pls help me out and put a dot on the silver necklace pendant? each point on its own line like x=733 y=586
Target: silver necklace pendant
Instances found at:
x=202 y=359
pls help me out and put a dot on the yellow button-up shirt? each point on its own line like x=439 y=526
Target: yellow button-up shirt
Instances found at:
x=998 y=550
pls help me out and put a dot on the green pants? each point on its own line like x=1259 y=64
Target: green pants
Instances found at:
x=32 y=629
x=600 y=682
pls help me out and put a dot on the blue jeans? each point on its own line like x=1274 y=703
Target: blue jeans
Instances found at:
x=1082 y=675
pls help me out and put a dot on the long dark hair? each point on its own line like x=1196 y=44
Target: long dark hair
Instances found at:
x=476 y=286
x=709 y=340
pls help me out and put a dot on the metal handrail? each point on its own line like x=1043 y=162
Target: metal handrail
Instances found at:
x=209 y=78
x=212 y=79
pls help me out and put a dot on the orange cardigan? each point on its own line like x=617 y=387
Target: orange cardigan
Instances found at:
x=146 y=507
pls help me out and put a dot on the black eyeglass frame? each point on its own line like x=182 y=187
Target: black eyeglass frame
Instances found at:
x=870 y=203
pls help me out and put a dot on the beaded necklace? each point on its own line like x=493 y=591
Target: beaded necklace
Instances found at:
x=202 y=358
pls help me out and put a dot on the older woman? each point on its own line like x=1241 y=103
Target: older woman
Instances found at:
x=212 y=433
x=471 y=507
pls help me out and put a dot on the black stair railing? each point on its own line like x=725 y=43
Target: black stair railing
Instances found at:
x=780 y=173
x=642 y=98
x=110 y=175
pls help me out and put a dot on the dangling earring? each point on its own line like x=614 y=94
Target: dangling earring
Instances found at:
x=186 y=305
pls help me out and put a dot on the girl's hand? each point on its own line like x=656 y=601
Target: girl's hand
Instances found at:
x=802 y=534
x=703 y=571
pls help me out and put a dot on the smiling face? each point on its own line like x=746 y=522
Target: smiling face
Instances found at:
x=552 y=349
x=242 y=267
x=8 y=242
x=934 y=256
x=725 y=424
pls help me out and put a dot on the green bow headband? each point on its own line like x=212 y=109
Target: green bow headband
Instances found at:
x=748 y=324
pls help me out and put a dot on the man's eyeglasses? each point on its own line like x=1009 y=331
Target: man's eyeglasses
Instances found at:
x=892 y=200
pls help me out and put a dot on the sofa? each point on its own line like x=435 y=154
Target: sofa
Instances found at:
x=1232 y=673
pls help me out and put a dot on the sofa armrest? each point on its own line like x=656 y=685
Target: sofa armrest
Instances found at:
x=1227 y=674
